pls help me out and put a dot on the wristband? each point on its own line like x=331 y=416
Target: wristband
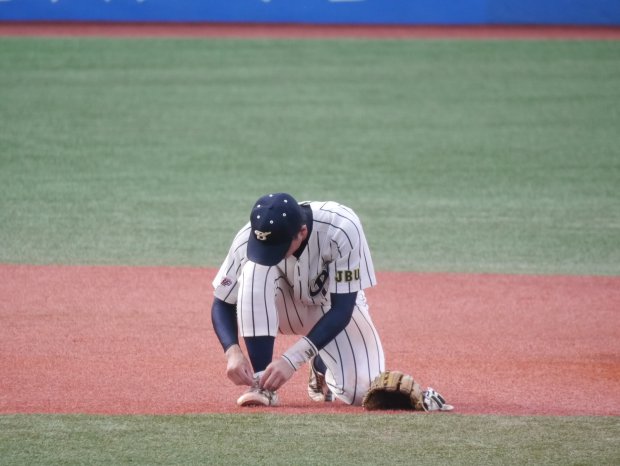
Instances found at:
x=300 y=353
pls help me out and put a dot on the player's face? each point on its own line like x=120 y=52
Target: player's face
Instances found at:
x=296 y=243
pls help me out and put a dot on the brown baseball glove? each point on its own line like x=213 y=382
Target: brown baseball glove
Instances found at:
x=394 y=390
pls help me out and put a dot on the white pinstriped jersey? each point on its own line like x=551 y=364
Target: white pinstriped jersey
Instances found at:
x=336 y=258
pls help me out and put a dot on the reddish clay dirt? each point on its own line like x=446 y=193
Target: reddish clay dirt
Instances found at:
x=123 y=340
x=303 y=31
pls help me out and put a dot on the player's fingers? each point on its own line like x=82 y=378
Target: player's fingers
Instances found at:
x=263 y=381
x=272 y=383
x=241 y=375
x=276 y=375
x=236 y=378
x=247 y=376
x=270 y=379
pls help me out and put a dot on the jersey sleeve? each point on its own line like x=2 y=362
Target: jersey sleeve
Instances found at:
x=225 y=283
x=351 y=269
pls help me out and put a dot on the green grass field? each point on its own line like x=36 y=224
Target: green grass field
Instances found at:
x=491 y=156
x=309 y=440
x=475 y=156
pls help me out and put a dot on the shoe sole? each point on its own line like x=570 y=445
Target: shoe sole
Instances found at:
x=253 y=399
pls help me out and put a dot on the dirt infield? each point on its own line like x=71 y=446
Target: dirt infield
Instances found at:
x=122 y=340
x=52 y=29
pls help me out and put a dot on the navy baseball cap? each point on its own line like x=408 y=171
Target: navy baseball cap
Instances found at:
x=275 y=220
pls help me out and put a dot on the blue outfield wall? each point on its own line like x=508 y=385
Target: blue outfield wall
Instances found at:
x=397 y=12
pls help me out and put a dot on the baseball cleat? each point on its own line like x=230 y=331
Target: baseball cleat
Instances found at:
x=255 y=396
x=433 y=401
x=317 y=387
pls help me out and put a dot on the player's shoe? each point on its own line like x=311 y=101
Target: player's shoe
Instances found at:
x=256 y=396
x=317 y=387
x=433 y=401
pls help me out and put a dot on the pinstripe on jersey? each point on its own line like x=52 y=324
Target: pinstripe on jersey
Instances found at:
x=335 y=260
x=293 y=295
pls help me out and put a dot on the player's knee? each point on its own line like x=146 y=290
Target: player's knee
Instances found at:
x=355 y=395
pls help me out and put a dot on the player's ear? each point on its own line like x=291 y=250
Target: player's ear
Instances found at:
x=303 y=232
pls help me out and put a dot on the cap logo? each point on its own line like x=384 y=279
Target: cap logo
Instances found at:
x=262 y=235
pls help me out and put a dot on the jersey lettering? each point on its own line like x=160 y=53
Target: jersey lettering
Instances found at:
x=347 y=275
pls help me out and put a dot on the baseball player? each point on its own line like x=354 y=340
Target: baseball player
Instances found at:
x=298 y=268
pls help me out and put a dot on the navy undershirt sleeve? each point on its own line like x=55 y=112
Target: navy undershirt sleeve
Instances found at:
x=334 y=321
x=224 y=319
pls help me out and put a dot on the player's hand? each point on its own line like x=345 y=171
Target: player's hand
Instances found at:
x=238 y=368
x=276 y=375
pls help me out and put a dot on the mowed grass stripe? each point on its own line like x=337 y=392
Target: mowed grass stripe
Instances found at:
x=486 y=156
